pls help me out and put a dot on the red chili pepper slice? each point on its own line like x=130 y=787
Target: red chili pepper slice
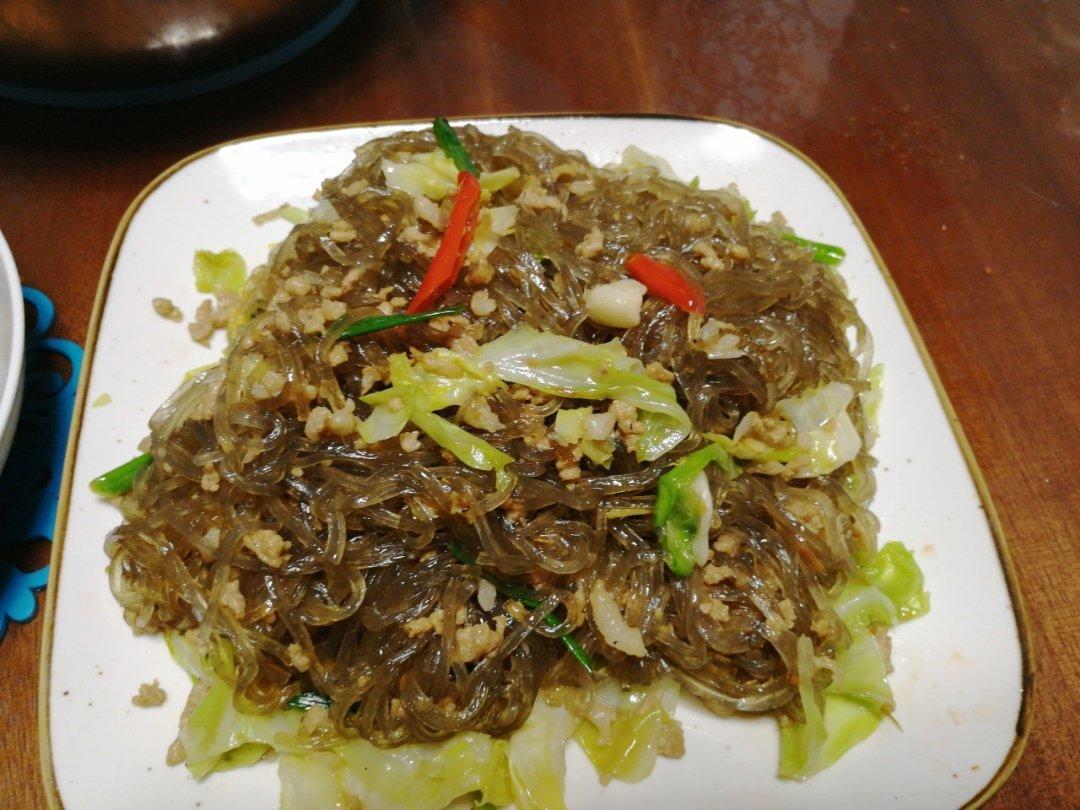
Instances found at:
x=665 y=281
x=444 y=268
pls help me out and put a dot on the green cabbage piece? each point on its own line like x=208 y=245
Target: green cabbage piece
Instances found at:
x=570 y=429
x=425 y=776
x=469 y=448
x=885 y=591
x=434 y=175
x=823 y=426
x=826 y=438
x=862 y=674
x=536 y=757
x=564 y=366
x=754 y=450
x=634 y=157
x=313 y=781
x=414 y=395
x=861 y=605
x=217 y=273
x=684 y=507
x=528 y=769
x=217 y=736
x=553 y=364
x=621 y=732
x=894 y=572
x=491 y=224
x=843 y=724
x=871 y=400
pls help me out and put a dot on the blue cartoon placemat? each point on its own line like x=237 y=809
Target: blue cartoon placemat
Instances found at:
x=30 y=481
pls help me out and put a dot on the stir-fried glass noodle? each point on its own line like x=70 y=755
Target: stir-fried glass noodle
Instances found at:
x=583 y=476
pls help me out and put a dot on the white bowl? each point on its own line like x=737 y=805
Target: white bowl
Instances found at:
x=12 y=336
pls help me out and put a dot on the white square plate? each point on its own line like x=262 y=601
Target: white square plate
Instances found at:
x=961 y=672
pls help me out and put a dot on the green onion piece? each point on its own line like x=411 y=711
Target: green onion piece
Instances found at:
x=120 y=480
x=376 y=323
x=576 y=650
x=695 y=183
x=452 y=147
x=823 y=252
x=455 y=548
x=308 y=700
x=528 y=598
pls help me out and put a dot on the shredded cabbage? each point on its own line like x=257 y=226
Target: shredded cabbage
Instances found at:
x=469 y=448
x=841 y=724
x=861 y=673
x=434 y=175
x=564 y=366
x=621 y=733
x=570 y=430
x=887 y=590
x=537 y=758
x=217 y=736
x=425 y=776
x=871 y=400
x=894 y=572
x=491 y=224
x=528 y=769
x=553 y=364
x=824 y=429
x=825 y=436
x=612 y=624
x=684 y=508
x=550 y=363
x=415 y=393
x=313 y=781
x=217 y=273
x=634 y=157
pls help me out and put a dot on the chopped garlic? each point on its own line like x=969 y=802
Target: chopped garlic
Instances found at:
x=269 y=546
x=611 y=623
x=615 y=304
x=485 y=595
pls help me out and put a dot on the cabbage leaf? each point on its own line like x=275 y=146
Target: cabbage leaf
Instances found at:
x=217 y=736
x=527 y=769
x=425 y=776
x=570 y=430
x=634 y=157
x=566 y=367
x=621 y=733
x=416 y=392
x=684 y=507
x=218 y=273
x=536 y=758
x=825 y=436
x=434 y=175
x=885 y=591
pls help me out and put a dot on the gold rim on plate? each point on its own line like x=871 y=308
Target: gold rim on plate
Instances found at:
x=1024 y=718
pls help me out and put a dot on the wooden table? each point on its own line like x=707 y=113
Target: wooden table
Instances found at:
x=953 y=127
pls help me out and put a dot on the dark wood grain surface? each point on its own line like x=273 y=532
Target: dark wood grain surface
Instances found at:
x=953 y=128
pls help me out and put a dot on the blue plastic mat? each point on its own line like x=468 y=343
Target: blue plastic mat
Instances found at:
x=30 y=481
